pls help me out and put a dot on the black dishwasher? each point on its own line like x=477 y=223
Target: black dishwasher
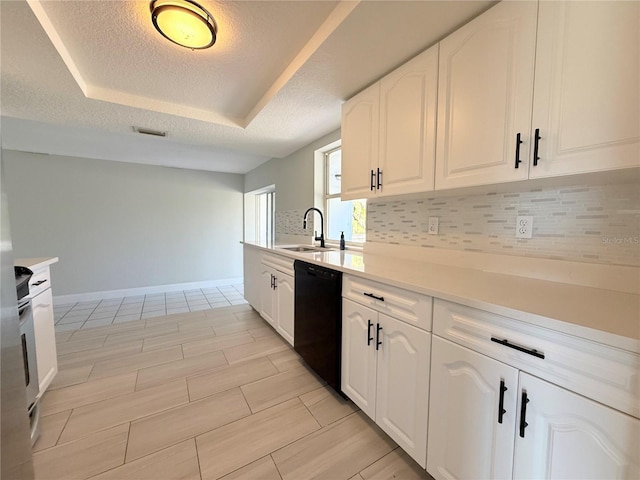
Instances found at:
x=318 y=319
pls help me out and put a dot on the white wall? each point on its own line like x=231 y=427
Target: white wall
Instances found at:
x=118 y=225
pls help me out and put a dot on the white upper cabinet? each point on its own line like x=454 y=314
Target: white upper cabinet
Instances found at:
x=360 y=126
x=408 y=108
x=485 y=92
x=388 y=132
x=525 y=90
x=587 y=91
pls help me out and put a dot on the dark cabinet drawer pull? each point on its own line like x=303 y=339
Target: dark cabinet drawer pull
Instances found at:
x=530 y=351
x=536 y=143
x=378 y=330
x=39 y=282
x=369 y=337
x=373 y=296
x=25 y=359
x=523 y=414
x=518 y=142
x=501 y=410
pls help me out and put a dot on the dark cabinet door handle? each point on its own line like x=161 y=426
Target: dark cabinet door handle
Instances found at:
x=39 y=282
x=501 y=410
x=25 y=359
x=373 y=179
x=518 y=142
x=536 y=143
x=379 y=179
x=369 y=337
x=378 y=330
x=530 y=351
x=373 y=296
x=523 y=414
x=275 y=282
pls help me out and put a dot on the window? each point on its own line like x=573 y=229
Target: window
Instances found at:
x=349 y=217
x=265 y=208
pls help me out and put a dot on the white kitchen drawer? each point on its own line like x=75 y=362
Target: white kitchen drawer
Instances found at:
x=410 y=307
x=605 y=374
x=282 y=264
x=40 y=281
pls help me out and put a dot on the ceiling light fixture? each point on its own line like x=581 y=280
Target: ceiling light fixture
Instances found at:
x=184 y=23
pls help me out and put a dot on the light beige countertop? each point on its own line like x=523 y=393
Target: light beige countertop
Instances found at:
x=35 y=263
x=604 y=316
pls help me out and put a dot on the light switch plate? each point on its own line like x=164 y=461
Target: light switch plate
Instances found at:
x=524 y=226
x=432 y=229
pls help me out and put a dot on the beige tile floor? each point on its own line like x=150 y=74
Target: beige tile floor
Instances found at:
x=202 y=395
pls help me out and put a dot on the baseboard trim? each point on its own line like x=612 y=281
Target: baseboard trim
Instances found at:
x=131 y=292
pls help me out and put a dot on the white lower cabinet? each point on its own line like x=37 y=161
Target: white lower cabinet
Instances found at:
x=489 y=417
x=563 y=435
x=285 y=303
x=45 y=338
x=468 y=435
x=277 y=299
x=252 y=269
x=267 y=294
x=385 y=371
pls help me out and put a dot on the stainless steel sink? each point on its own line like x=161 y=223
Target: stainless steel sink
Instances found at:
x=304 y=248
x=300 y=249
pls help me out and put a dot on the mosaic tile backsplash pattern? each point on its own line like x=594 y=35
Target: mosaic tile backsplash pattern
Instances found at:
x=289 y=222
x=594 y=224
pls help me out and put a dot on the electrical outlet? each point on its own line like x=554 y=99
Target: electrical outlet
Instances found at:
x=524 y=226
x=432 y=229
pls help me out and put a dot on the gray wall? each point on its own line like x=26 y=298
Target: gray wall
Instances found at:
x=293 y=176
x=118 y=225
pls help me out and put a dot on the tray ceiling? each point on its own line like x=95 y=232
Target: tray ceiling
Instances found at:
x=78 y=75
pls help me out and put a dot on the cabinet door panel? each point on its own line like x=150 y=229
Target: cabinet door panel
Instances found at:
x=45 y=337
x=360 y=126
x=571 y=437
x=286 y=301
x=403 y=385
x=408 y=125
x=587 y=88
x=252 y=279
x=267 y=300
x=465 y=438
x=358 y=358
x=485 y=92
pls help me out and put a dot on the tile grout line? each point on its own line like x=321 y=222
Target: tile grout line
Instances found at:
x=276 y=465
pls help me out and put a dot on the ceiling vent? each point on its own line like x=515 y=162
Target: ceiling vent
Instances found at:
x=148 y=131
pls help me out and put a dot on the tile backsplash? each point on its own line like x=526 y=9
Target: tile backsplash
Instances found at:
x=594 y=224
x=289 y=222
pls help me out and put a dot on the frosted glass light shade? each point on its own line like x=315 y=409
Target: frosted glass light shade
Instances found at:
x=184 y=22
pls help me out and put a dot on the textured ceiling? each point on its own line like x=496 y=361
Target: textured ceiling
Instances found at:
x=78 y=75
